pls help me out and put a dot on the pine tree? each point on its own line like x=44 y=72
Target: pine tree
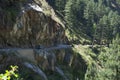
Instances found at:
x=110 y=61
x=60 y=5
x=108 y=66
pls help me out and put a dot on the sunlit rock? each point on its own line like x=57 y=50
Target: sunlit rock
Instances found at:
x=33 y=23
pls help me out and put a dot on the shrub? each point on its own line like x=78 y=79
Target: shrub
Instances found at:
x=9 y=73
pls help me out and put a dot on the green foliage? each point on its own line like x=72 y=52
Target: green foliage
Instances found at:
x=98 y=20
x=58 y=5
x=108 y=64
x=81 y=15
x=110 y=60
x=9 y=73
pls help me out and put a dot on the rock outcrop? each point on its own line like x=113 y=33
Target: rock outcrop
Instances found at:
x=26 y=23
x=32 y=36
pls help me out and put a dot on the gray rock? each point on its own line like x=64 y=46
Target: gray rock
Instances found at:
x=45 y=59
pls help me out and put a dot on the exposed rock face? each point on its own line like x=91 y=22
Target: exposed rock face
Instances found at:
x=38 y=61
x=45 y=60
x=26 y=24
x=29 y=23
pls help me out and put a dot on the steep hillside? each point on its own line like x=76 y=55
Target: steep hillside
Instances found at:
x=60 y=39
x=33 y=38
x=92 y=27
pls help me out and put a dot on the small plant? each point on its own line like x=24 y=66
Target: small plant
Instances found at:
x=9 y=73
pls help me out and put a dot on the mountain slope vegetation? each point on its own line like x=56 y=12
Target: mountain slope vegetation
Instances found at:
x=92 y=27
x=60 y=39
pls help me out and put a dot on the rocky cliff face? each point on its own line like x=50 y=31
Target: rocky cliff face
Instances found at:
x=26 y=23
